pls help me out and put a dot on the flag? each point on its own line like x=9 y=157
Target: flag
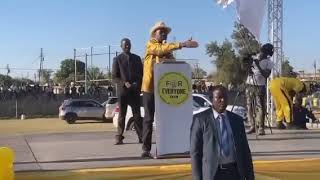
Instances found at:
x=250 y=14
x=224 y=3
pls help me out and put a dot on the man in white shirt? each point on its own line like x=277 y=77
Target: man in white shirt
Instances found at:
x=256 y=88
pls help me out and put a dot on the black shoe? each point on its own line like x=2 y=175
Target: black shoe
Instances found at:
x=280 y=125
x=261 y=132
x=290 y=126
x=119 y=140
x=251 y=130
x=146 y=154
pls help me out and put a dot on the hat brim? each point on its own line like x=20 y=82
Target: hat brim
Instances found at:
x=168 y=29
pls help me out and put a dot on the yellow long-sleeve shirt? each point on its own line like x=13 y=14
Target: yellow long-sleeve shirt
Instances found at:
x=156 y=52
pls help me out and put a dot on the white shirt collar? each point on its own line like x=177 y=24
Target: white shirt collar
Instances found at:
x=216 y=114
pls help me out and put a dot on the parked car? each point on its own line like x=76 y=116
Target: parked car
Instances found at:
x=204 y=101
x=111 y=104
x=200 y=102
x=81 y=109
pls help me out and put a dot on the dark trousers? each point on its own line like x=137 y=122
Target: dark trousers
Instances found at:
x=148 y=104
x=132 y=99
x=231 y=173
x=256 y=105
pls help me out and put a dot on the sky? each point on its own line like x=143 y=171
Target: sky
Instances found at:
x=59 y=26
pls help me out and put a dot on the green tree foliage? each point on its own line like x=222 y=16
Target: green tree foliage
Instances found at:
x=226 y=61
x=198 y=73
x=7 y=81
x=244 y=41
x=286 y=69
x=46 y=75
x=95 y=73
x=66 y=72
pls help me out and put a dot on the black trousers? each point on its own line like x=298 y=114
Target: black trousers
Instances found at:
x=132 y=99
x=148 y=104
x=230 y=173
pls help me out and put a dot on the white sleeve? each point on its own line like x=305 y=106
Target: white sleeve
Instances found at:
x=270 y=65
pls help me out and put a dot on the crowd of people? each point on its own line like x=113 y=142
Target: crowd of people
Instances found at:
x=52 y=91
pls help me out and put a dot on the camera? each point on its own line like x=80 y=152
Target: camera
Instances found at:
x=247 y=63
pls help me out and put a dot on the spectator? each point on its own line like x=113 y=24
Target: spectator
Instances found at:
x=300 y=114
x=110 y=90
x=67 y=91
x=73 y=90
x=81 y=90
x=194 y=87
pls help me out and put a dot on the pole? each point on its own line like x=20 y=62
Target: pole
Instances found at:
x=85 y=75
x=16 y=108
x=109 y=60
x=91 y=51
x=315 y=69
x=75 y=64
x=40 y=68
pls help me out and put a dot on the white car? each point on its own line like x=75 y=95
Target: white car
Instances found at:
x=111 y=104
x=129 y=117
x=204 y=101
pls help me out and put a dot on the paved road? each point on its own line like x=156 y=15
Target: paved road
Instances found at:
x=63 y=151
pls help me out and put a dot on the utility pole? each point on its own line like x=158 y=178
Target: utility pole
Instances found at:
x=85 y=75
x=91 y=51
x=174 y=52
x=41 y=64
x=8 y=70
x=109 y=48
x=75 y=64
x=315 y=69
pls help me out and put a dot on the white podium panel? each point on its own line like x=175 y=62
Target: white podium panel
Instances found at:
x=173 y=108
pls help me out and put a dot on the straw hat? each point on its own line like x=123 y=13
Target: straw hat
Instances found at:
x=160 y=25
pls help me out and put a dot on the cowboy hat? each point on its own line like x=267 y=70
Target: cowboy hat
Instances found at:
x=160 y=25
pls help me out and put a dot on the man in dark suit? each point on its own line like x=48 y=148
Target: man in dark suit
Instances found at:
x=218 y=144
x=127 y=71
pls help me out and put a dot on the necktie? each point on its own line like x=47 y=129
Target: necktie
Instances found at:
x=129 y=69
x=225 y=150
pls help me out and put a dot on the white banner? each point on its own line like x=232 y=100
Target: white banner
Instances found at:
x=250 y=14
x=173 y=108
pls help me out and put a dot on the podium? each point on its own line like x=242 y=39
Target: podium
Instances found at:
x=173 y=108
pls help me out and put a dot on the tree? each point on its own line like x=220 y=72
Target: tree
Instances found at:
x=95 y=73
x=46 y=75
x=5 y=80
x=244 y=41
x=286 y=69
x=226 y=61
x=66 y=72
x=198 y=73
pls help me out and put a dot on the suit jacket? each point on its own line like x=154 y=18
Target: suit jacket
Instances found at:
x=204 y=146
x=127 y=69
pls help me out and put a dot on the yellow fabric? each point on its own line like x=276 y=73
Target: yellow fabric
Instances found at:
x=308 y=169
x=156 y=52
x=304 y=101
x=315 y=102
x=6 y=164
x=279 y=89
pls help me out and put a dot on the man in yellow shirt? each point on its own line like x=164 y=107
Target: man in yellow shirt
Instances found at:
x=157 y=51
x=282 y=89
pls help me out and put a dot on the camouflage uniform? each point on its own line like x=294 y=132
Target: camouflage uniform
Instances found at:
x=256 y=100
